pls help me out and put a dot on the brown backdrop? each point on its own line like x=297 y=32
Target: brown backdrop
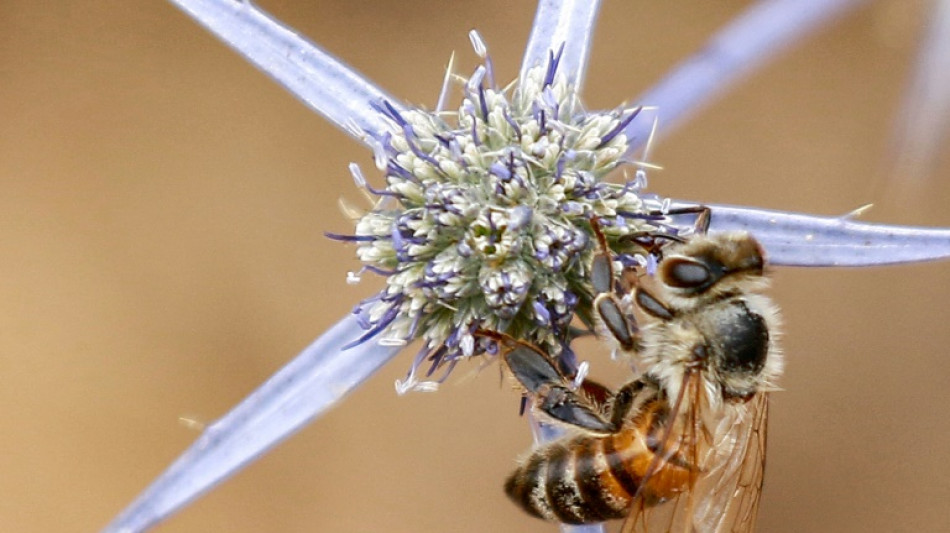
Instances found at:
x=162 y=210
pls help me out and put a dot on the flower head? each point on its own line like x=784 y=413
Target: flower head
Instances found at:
x=485 y=218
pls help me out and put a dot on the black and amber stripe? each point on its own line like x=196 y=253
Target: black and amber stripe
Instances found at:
x=570 y=483
x=592 y=479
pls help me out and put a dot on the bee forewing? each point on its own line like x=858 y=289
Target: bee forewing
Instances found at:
x=725 y=495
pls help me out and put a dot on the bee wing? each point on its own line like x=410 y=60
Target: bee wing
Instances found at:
x=729 y=492
x=724 y=495
x=683 y=441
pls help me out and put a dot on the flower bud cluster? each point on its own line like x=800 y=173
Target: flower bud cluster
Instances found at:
x=484 y=222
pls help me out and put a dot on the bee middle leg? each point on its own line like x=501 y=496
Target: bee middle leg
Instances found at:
x=630 y=398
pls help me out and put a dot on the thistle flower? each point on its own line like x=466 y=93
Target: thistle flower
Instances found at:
x=325 y=371
x=484 y=222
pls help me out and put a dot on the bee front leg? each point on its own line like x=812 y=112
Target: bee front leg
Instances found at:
x=702 y=212
x=607 y=307
x=551 y=392
x=652 y=305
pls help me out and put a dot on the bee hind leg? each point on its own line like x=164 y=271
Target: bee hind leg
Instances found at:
x=552 y=394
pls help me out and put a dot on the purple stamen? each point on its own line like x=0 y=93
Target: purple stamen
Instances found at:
x=452 y=340
x=400 y=244
x=414 y=327
x=378 y=271
x=448 y=370
x=362 y=315
x=386 y=142
x=512 y=161
x=395 y=169
x=499 y=169
x=570 y=300
x=553 y=60
x=382 y=324
x=541 y=313
x=482 y=102
x=475 y=139
x=385 y=108
x=443 y=140
x=350 y=238
x=416 y=361
x=559 y=167
x=619 y=127
x=511 y=122
x=410 y=135
x=628 y=187
x=381 y=192
x=436 y=358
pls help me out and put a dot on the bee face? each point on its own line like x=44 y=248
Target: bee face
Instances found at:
x=717 y=317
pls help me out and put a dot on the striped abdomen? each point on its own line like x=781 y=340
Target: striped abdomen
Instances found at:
x=591 y=479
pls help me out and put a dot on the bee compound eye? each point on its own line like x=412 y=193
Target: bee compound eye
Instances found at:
x=686 y=273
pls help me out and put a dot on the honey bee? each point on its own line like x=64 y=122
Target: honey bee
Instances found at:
x=682 y=446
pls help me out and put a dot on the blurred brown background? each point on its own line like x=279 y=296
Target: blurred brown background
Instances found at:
x=163 y=207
